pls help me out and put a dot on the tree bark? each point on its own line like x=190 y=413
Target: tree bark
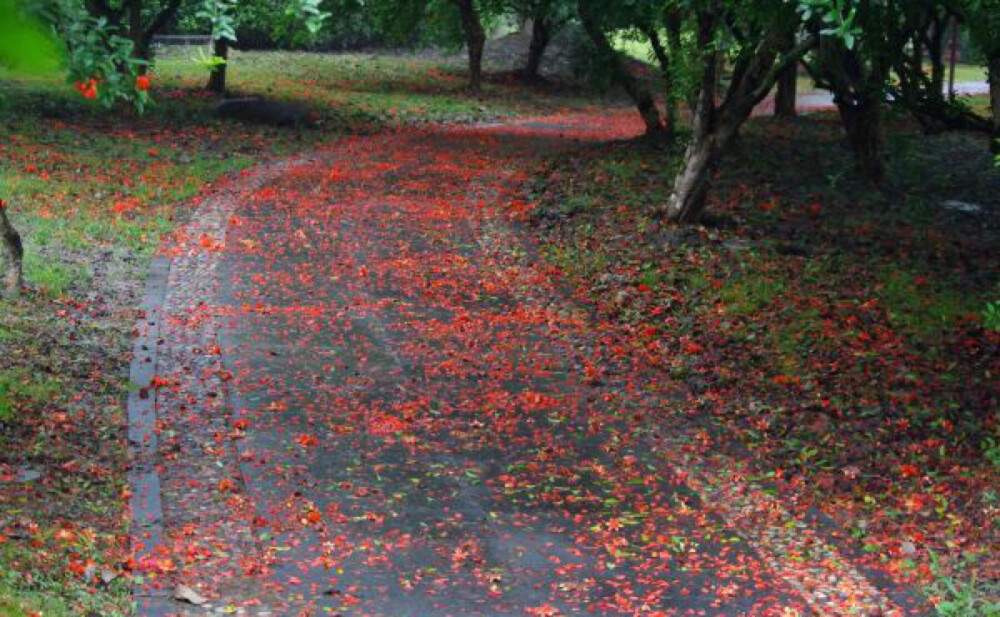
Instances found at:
x=666 y=70
x=859 y=92
x=994 y=76
x=475 y=40
x=540 y=36
x=13 y=251
x=786 y=94
x=690 y=193
x=642 y=98
x=715 y=128
x=862 y=119
x=217 y=80
x=133 y=13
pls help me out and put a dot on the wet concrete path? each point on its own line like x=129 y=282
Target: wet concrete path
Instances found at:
x=418 y=420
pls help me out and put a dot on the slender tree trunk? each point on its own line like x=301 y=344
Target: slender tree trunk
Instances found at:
x=862 y=119
x=666 y=70
x=13 y=253
x=716 y=127
x=133 y=13
x=994 y=75
x=642 y=98
x=217 y=80
x=475 y=40
x=688 y=199
x=540 y=37
x=935 y=51
x=785 y=96
x=690 y=195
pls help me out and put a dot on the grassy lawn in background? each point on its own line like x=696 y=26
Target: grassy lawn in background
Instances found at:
x=642 y=51
x=91 y=193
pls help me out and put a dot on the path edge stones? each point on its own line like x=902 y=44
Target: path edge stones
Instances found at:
x=145 y=505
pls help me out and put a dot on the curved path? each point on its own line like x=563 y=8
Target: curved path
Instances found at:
x=366 y=396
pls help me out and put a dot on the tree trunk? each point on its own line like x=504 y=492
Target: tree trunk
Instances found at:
x=715 y=127
x=688 y=199
x=687 y=202
x=13 y=252
x=217 y=80
x=666 y=70
x=475 y=40
x=642 y=98
x=133 y=13
x=540 y=37
x=862 y=120
x=994 y=73
x=785 y=97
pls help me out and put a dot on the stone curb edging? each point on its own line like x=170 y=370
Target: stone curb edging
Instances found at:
x=144 y=479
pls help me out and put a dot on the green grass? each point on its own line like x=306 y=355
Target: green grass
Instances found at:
x=924 y=309
x=52 y=278
x=960 y=594
x=18 y=603
x=52 y=596
x=751 y=293
x=793 y=342
x=578 y=261
x=361 y=87
x=19 y=386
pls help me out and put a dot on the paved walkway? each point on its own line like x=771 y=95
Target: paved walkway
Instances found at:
x=819 y=100
x=371 y=398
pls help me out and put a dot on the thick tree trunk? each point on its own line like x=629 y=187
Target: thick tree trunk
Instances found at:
x=13 y=255
x=642 y=98
x=994 y=73
x=217 y=80
x=862 y=120
x=785 y=96
x=540 y=37
x=475 y=40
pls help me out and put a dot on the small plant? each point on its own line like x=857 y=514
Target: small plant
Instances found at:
x=991 y=315
x=991 y=450
x=957 y=599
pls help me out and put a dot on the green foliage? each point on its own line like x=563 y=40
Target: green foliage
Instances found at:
x=991 y=450
x=991 y=314
x=982 y=17
x=287 y=24
x=25 y=46
x=99 y=60
x=838 y=18
x=219 y=16
x=962 y=598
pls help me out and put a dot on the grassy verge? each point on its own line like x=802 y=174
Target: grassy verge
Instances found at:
x=833 y=332
x=91 y=193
